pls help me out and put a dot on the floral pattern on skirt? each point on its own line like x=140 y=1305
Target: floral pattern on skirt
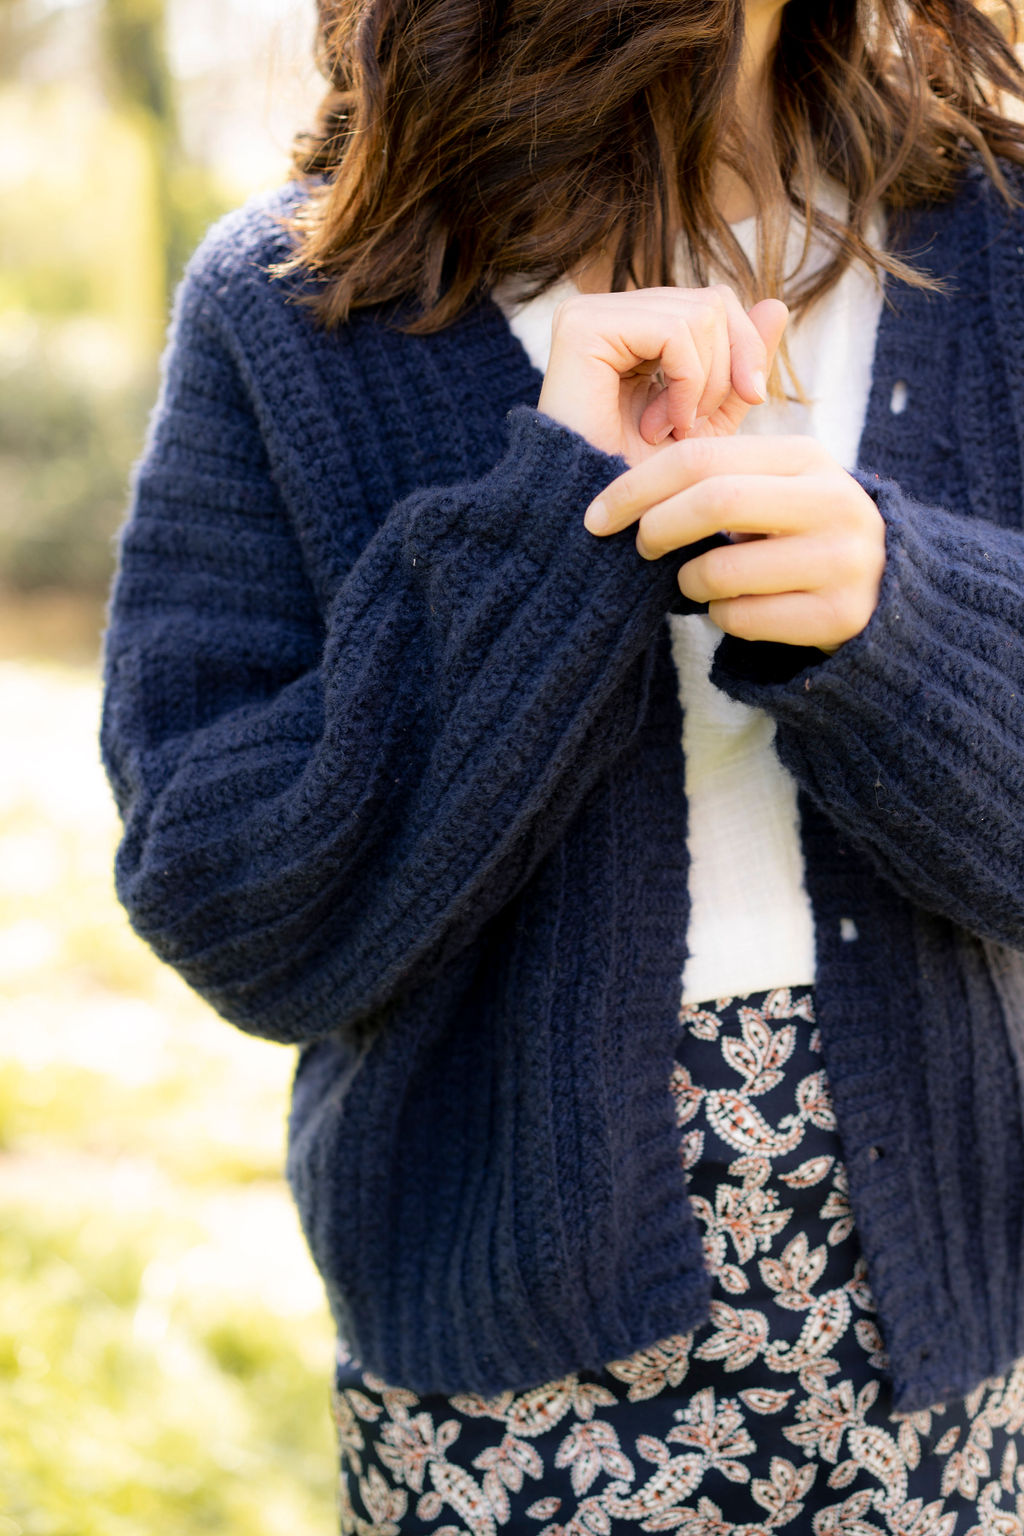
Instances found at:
x=773 y=1416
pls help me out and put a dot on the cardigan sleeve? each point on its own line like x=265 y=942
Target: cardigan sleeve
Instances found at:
x=323 y=801
x=910 y=737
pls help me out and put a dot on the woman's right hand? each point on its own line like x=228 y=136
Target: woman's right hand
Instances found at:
x=629 y=371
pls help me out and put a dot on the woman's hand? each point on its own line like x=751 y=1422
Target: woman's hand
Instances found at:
x=630 y=370
x=809 y=550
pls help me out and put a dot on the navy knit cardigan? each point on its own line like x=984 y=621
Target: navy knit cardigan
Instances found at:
x=397 y=747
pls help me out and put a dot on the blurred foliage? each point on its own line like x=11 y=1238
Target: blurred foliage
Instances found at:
x=95 y=156
x=124 y=1412
x=165 y=1349
x=140 y=84
x=65 y=449
x=23 y=28
x=133 y=32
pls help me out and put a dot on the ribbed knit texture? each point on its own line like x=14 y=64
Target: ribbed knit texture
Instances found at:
x=396 y=744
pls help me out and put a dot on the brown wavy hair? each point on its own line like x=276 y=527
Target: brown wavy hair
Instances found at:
x=462 y=141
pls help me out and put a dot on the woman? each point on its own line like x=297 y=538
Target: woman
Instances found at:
x=657 y=1125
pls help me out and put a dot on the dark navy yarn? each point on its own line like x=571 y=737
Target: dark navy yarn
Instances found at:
x=778 y=1403
x=397 y=748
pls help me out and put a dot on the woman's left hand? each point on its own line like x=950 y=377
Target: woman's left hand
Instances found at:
x=805 y=565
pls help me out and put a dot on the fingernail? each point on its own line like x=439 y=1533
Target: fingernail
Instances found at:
x=666 y=431
x=596 y=519
x=760 y=384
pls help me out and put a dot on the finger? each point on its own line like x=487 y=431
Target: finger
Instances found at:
x=770 y=318
x=718 y=385
x=708 y=318
x=600 y=345
x=691 y=354
x=765 y=504
x=684 y=464
x=751 y=352
x=792 y=618
x=753 y=357
x=758 y=568
x=631 y=332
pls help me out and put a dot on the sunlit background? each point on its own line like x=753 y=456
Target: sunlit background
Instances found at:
x=164 y=1348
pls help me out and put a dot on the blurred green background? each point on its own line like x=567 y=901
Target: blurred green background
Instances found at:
x=165 y=1351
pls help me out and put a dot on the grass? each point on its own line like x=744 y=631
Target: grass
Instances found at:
x=165 y=1350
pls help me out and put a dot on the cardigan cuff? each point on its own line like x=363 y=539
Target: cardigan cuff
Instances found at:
x=529 y=510
x=918 y=632
x=909 y=736
x=506 y=565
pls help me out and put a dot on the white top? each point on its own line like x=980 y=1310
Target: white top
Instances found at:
x=751 y=926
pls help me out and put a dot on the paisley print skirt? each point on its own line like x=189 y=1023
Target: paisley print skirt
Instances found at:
x=773 y=1416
